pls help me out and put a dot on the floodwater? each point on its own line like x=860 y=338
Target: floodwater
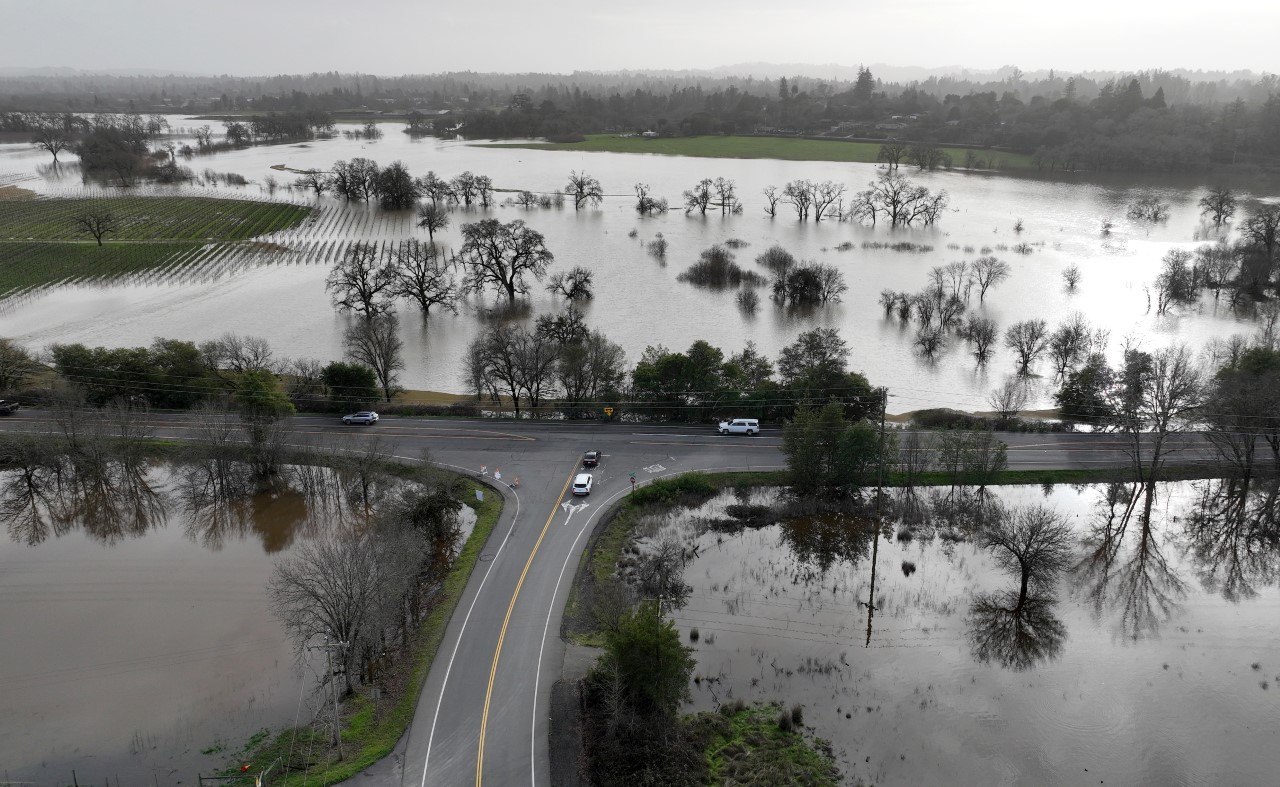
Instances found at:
x=638 y=300
x=137 y=639
x=1154 y=660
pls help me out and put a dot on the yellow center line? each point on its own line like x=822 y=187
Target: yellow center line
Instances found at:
x=497 y=653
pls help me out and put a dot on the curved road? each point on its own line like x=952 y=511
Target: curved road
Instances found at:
x=482 y=717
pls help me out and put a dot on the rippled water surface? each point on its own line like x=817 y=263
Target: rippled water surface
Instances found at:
x=1154 y=661
x=638 y=300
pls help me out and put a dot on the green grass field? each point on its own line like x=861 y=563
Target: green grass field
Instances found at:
x=782 y=148
x=41 y=245
x=149 y=218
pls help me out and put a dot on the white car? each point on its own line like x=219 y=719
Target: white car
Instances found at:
x=747 y=426
x=582 y=484
x=362 y=417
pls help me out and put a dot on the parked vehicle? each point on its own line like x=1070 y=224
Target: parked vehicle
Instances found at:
x=747 y=426
x=362 y=417
x=582 y=484
x=591 y=459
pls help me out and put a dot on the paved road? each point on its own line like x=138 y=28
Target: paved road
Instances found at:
x=482 y=717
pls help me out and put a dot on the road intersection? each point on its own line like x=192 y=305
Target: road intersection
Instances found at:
x=482 y=716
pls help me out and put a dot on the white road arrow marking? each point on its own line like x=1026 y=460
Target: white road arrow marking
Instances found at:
x=571 y=509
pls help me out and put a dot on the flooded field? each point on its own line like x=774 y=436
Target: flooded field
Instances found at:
x=278 y=291
x=138 y=641
x=1151 y=659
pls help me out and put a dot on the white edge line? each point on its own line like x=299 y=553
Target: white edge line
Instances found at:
x=445 y=683
x=573 y=550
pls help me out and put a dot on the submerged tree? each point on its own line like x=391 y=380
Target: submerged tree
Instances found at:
x=502 y=255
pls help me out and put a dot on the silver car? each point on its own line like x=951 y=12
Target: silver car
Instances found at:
x=362 y=417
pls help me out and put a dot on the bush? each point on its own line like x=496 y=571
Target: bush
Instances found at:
x=715 y=268
x=944 y=418
x=682 y=490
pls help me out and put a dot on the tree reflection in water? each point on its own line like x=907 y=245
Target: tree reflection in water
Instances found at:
x=1015 y=631
x=1234 y=537
x=1125 y=567
x=48 y=494
x=819 y=541
x=222 y=499
x=1017 y=628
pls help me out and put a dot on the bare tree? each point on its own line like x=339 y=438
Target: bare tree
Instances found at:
x=344 y=586
x=1009 y=399
x=376 y=343
x=239 y=354
x=1028 y=339
x=572 y=284
x=502 y=255
x=425 y=276
x=1262 y=229
x=646 y=205
x=1155 y=395
x=355 y=180
x=439 y=191
x=16 y=365
x=771 y=197
x=432 y=217
x=891 y=153
x=1034 y=543
x=52 y=138
x=584 y=189
x=315 y=180
x=98 y=223
x=1219 y=203
x=799 y=193
x=988 y=272
x=463 y=188
x=587 y=370
x=825 y=196
x=727 y=196
x=1069 y=343
x=362 y=281
x=700 y=197
x=204 y=137
x=1071 y=277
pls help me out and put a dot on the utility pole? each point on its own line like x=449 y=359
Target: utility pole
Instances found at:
x=875 y=544
x=328 y=647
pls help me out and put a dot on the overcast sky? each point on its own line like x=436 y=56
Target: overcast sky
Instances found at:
x=423 y=36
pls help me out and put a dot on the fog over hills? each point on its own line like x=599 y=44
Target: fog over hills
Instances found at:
x=758 y=70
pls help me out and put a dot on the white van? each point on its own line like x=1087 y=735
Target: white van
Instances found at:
x=748 y=426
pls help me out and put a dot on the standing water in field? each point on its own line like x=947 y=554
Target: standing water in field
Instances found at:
x=138 y=639
x=1149 y=659
x=1040 y=227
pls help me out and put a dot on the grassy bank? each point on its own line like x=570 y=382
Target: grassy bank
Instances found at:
x=370 y=729
x=782 y=148
x=41 y=244
x=762 y=744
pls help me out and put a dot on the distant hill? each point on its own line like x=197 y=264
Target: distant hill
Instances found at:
x=63 y=71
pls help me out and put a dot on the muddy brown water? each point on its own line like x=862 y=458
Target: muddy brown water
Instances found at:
x=639 y=301
x=1154 y=661
x=137 y=642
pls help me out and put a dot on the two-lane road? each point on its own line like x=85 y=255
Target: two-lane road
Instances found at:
x=482 y=716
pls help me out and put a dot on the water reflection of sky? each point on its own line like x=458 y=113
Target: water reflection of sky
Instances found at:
x=286 y=302
x=1158 y=668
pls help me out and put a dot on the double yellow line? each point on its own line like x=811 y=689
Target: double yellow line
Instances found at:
x=502 y=635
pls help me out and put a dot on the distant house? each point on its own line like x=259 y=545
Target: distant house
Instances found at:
x=891 y=126
x=649 y=134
